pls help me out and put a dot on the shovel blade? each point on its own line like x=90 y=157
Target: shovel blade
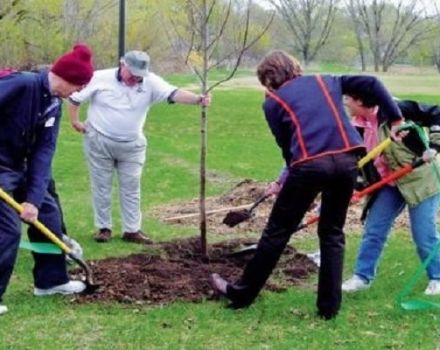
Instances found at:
x=233 y=218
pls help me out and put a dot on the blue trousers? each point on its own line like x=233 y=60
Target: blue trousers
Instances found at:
x=388 y=204
x=49 y=269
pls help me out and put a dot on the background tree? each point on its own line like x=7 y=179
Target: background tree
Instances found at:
x=202 y=36
x=359 y=33
x=391 y=28
x=436 y=54
x=309 y=21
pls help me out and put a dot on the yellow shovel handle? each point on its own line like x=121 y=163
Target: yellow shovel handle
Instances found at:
x=374 y=152
x=43 y=229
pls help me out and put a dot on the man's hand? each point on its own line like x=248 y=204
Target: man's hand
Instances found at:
x=204 y=100
x=29 y=213
x=79 y=126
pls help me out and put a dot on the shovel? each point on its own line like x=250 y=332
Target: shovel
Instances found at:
x=357 y=196
x=251 y=248
x=91 y=287
x=233 y=218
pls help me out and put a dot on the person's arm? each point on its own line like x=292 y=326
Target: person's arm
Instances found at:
x=40 y=159
x=425 y=115
x=73 y=109
x=280 y=126
x=373 y=93
x=77 y=98
x=188 y=97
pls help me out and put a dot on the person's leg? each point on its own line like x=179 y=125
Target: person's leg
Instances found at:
x=292 y=203
x=424 y=231
x=101 y=165
x=335 y=198
x=388 y=204
x=53 y=192
x=49 y=269
x=9 y=241
x=9 y=230
x=130 y=161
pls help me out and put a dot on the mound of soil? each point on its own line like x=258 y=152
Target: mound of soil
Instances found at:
x=247 y=192
x=177 y=272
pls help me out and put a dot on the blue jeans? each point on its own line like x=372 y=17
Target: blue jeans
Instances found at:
x=388 y=204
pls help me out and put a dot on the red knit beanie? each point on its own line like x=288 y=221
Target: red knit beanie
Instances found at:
x=76 y=66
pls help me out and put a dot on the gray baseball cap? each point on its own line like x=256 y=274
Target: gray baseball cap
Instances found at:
x=137 y=62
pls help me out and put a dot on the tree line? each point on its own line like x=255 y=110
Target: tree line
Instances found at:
x=361 y=34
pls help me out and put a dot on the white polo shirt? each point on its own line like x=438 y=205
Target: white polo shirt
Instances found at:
x=119 y=111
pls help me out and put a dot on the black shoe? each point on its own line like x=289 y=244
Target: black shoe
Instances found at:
x=327 y=315
x=103 y=235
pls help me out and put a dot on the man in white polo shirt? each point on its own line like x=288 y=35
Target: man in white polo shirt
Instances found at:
x=119 y=100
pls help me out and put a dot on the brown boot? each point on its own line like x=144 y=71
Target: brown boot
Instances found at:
x=103 y=235
x=136 y=237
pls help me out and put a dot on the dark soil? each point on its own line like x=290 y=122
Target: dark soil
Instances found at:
x=180 y=273
x=176 y=271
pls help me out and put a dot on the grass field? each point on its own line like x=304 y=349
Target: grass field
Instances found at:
x=240 y=146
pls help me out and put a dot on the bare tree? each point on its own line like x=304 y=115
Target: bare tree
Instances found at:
x=201 y=36
x=357 y=26
x=13 y=8
x=310 y=22
x=437 y=42
x=391 y=27
x=80 y=21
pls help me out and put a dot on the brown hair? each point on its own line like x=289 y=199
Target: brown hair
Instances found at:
x=276 y=68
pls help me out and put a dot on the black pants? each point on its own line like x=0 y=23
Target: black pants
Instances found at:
x=49 y=269
x=334 y=177
x=53 y=192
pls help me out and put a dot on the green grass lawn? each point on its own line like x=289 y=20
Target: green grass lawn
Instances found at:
x=240 y=146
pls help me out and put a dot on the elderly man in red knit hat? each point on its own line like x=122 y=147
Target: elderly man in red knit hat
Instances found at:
x=30 y=111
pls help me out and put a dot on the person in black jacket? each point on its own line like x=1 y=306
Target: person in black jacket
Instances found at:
x=319 y=145
x=29 y=124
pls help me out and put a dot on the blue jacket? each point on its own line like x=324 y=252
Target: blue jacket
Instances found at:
x=29 y=125
x=307 y=117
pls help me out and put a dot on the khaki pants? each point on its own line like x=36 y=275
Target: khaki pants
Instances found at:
x=104 y=156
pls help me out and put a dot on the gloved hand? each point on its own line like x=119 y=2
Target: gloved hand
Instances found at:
x=74 y=246
x=397 y=134
x=429 y=155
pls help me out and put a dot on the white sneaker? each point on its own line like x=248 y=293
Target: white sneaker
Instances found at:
x=315 y=257
x=354 y=284
x=3 y=309
x=71 y=287
x=433 y=287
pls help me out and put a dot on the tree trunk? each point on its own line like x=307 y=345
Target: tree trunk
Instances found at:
x=204 y=133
